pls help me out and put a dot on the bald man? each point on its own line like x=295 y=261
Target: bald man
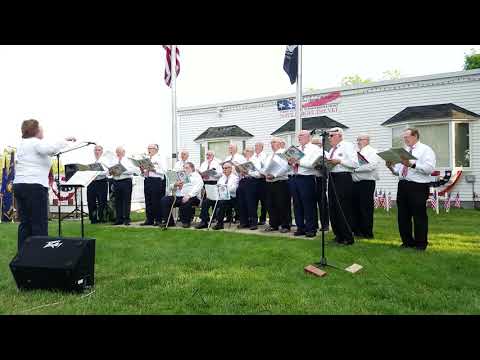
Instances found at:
x=302 y=186
x=97 y=191
x=122 y=188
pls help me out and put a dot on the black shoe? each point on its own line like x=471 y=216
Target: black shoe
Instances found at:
x=261 y=223
x=186 y=225
x=253 y=227
x=310 y=234
x=117 y=223
x=127 y=223
x=202 y=225
x=284 y=231
x=299 y=233
x=218 y=227
x=146 y=224
x=270 y=228
x=242 y=226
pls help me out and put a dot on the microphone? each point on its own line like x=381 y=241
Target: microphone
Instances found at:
x=90 y=143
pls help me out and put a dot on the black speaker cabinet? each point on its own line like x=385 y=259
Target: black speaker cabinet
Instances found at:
x=70 y=170
x=66 y=264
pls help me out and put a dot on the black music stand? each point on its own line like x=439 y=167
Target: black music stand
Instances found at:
x=60 y=186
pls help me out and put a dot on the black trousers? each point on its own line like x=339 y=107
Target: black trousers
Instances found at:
x=304 y=196
x=185 y=210
x=278 y=204
x=362 y=208
x=32 y=206
x=154 y=191
x=222 y=208
x=247 y=201
x=262 y=198
x=411 y=203
x=123 y=199
x=322 y=206
x=340 y=205
x=97 y=192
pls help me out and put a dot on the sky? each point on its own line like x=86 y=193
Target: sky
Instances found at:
x=115 y=95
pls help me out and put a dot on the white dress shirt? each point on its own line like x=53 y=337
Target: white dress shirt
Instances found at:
x=347 y=154
x=214 y=164
x=33 y=161
x=159 y=171
x=262 y=157
x=231 y=182
x=425 y=164
x=179 y=165
x=258 y=165
x=131 y=170
x=237 y=158
x=193 y=188
x=367 y=171
x=104 y=174
x=312 y=152
x=267 y=162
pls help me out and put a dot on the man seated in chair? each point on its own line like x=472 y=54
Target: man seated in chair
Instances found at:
x=231 y=180
x=187 y=195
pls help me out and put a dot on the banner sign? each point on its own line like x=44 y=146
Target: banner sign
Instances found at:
x=322 y=105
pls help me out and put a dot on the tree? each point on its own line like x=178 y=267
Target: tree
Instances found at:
x=393 y=74
x=472 y=60
x=354 y=80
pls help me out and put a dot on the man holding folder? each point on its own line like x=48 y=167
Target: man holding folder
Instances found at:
x=413 y=190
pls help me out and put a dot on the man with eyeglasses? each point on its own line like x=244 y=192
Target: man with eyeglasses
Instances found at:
x=364 y=179
x=413 y=190
x=302 y=187
x=344 y=159
x=154 y=187
x=231 y=180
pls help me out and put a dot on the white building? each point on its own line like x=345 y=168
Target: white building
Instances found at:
x=444 y=107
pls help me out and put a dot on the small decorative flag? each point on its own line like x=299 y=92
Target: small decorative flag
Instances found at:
x=457 y=204
x=446 y=203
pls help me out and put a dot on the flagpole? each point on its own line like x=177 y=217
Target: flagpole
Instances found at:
x=173 y=72
x=298 y=107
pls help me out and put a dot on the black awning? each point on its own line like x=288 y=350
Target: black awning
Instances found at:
x=224 y=132
x=432 y=112
x=319 y=122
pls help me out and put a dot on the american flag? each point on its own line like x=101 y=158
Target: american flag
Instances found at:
x=434 y=202
x=457 y=201
x=376 y=203
x=446 y=203
x=168 y=66
x=381 y=199
x=388 y=201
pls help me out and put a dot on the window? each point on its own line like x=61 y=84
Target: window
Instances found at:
x=220 y=148
x=202 y=153
x=439 y=138
x=462 y=144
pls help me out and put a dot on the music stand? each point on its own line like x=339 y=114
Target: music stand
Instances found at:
x=57 y=155
x=81 y=180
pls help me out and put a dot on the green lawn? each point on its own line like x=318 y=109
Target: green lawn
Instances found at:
x=147 y=271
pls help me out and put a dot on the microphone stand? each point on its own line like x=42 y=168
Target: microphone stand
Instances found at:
x=58 y=184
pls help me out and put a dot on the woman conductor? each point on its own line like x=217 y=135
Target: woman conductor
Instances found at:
x=30 y=185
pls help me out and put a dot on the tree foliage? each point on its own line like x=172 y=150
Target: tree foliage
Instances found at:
x=354 y=80
x=472 y=60
x=393 y=74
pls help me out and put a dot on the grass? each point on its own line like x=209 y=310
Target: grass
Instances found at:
x=147 y=271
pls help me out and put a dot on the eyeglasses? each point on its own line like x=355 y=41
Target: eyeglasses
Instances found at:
x=332 y=135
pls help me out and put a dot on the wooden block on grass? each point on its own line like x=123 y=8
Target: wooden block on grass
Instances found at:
x=310 y=269
x=354 y=268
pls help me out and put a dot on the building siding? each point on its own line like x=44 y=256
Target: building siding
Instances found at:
x=362 y=110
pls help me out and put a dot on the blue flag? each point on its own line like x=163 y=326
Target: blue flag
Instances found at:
x=7 y=189
x=290 y=64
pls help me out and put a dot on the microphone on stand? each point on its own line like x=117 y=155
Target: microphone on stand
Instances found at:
x=90 y=143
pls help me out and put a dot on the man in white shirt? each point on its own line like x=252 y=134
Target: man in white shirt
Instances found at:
x=302 y=187
x=211 y=163
x=123 y=184
x=277 y=193
x=183 y=160
x=231 y=180
x=97 y=191
x=364 y=179
x=321 y=186
x=414 y=190
x=237 y=158
x=248 y=193
x=344 y=159
x=261 y=157
x=154 y=187
x=188 y=194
